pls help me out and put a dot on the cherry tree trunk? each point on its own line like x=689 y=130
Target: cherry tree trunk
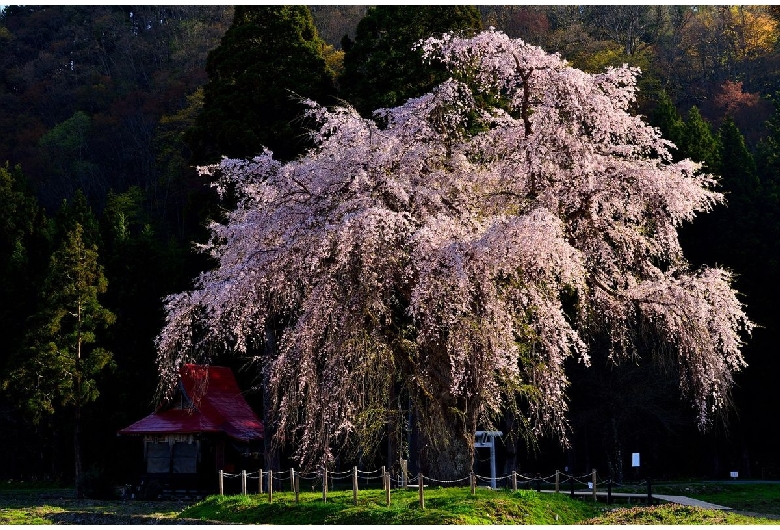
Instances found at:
x=445 y=441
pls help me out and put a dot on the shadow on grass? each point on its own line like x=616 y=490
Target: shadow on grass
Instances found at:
x=94 y=518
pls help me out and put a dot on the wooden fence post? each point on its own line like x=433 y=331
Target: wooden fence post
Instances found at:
x=649 y=491
x=292 y=479
x=387 y=488
x=260 y=482
x=221 y=483
x=297 y=486
x=404 y=474
x=571 y=484
x=324 y=484
x=557 y=481
x=421 y=488
x=243 y=482
x=514 y=480
x=354 y=485
x=595 y=498
x=473 y=482
x=270 y=486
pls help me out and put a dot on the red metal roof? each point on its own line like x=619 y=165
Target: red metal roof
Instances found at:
x=217 y=406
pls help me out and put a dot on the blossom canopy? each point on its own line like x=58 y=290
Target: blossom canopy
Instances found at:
x=459 y=249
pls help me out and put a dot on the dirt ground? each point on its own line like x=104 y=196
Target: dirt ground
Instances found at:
x=61 y=507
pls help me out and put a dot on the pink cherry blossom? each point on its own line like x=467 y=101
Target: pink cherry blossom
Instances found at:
x=460 y=253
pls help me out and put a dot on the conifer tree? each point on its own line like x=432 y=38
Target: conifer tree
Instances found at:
x=728 y=235
x=269 y=57
x=768 y=156
x=666 y=118
x=381 y=68
x=60 y=363
x=736 y=164
x=697 y=142
x=76 y=211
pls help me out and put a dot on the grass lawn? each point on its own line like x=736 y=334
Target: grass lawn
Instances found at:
x=757 y=497
x=59 y=506
x=442 y=506
x=448 y=506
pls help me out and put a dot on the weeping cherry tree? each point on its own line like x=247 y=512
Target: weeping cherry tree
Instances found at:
x=457 y=250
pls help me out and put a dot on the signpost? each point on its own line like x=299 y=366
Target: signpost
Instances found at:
x=635 y=464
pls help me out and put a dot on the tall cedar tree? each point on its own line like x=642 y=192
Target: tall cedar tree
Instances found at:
x=269 y=58
x=381 y=68
x=736 y=164
x=666 y=118
x=697 y=141
x=62 y=360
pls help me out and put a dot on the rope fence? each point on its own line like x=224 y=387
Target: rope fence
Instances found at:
x=267 y=482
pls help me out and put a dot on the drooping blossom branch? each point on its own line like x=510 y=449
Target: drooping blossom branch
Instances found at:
x=461 y=252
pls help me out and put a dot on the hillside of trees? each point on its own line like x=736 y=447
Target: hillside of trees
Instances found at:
x=105 y=111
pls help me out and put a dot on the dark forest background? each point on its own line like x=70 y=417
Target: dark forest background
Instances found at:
x=106 y=110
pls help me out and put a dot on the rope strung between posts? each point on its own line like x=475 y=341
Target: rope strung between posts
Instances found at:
x=457 y=480
x=377 y=474
x=557 y=478
x=338 y=475
x=578 y=480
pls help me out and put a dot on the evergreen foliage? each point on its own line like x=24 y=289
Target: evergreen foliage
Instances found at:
x=60 y=356
x=736 y=164
x=23 y=254
x=666 y=118
x=698 y=142
x=381 y=68
x=768 y=152
x=269 y=57
x=60 y=363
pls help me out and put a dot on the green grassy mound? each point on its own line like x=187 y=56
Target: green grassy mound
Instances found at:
x=442 y=506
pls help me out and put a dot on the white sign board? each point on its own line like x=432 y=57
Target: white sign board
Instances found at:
x=734 y=474
x=634 y=459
